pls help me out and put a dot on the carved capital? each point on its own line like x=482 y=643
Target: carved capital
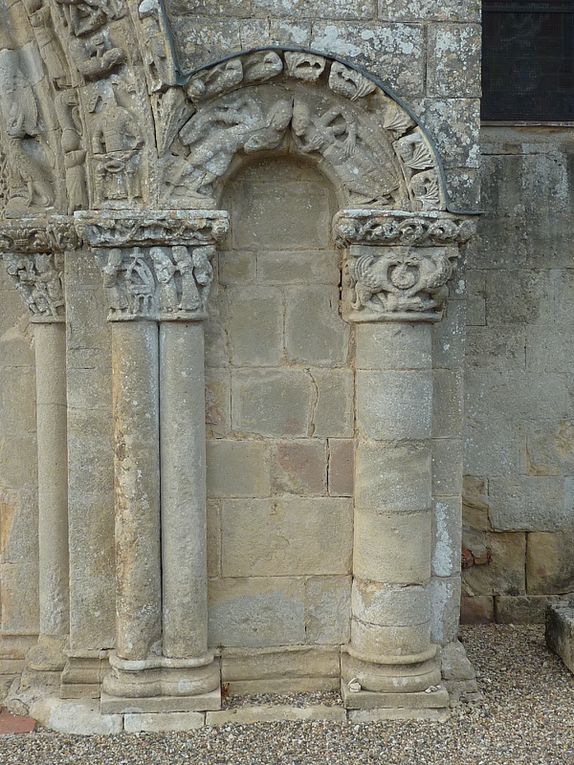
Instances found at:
x=32 y=250
x=396 y=283
x=39 y=279
x=163 y=228
x=157 y=283
x=379 y=227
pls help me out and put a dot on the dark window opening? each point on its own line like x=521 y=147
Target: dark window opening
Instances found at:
x=528 y=60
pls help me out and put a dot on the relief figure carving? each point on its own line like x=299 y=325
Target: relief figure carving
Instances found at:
x=156 y=51
x=39 y=279
x=399 y=280
x=66 y=105
x=51 y=51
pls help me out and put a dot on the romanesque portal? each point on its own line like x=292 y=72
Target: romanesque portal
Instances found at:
x=268 y=238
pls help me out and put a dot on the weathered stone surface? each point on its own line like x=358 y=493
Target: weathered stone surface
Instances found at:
x=75 y=717
x=477 y=609
x=453 y=61
x=163 y=721
x=333 y=403
x=394 y=405
x=445 y=593
x=560 y=632
x=446 y=467
x=525 y=609
x=275 y=713
x=272 y=402
x=300 y=467
x=294 y=267
x=504 y=574
x=415 y=10
x=549 y=563
x=341 y=467
x=254 y=323
x=287 y=662
x=256 y=612
x=217 y=402
x=524 y=503
x=393 y=346
x=327 y=609
x=392 y=478
x=448 y=402
x=314 y=332
x=447 y=536
x=284 y=536
x=237 y=469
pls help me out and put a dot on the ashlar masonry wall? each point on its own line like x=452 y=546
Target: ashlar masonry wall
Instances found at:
x=519 y=441
x=280 y=415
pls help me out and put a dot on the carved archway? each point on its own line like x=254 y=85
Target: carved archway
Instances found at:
x=145 y=154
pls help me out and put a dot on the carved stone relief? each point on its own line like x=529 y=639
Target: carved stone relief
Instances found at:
x=305 y=103
x=30 y=158
x=397 y=280
x=157 y=282
x=39 y=279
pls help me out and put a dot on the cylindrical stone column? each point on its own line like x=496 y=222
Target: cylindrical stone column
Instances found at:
x=390 y=646
x=36 y=265
x=183 y=495
x=396 y=273
x=135 y=388
x=189 y=667
x=50 y=351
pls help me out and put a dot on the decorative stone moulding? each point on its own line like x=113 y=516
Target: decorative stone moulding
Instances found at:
x=398 y=264
x=33 y=253
x=169 y=280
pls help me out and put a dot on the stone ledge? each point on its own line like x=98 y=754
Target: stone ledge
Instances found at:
x=160 y=704
x=275 y=713
x=560 y=631
x=416 y=701
x=163 y=722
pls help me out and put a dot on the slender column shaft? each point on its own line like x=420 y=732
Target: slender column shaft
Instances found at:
x=137 y=487
x=183 y=496
x=390 y=621
x=50 y=349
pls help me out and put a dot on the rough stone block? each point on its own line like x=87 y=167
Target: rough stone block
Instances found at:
x=394 y=52
x=288 y=32
x=463 y=187
x=394 y=405
x=282 y=203
x=447 y=467
x=276 y=713
x=448 y=336
x=341 y=467
x=217 y=402
x=312 y=267
x=314 y=331
x=445 y=608
x=484 y=455
x=560 y=632
x=254 y=321
x=447 y=536
x=75 y=717
x=323 y=9
x=393 y=346
x=549 y=448
x=477 y=609
x=529 y=503
x=454 y=60
x=388 y=550
x=454 y=125
x=333 y=412
x=418 y=10
x=549 y=562
x=236 y=267
x=522 y=296
x=256 y=612
x=153 y=705
x=213 y=537
x=237 y=469
x=392 y=478
x=550 y=348
x=504 y=574
x=272 y=402
x=162 y=722
x=475 y=503
x=524 y=609
x=287 y=662
x=328 y=609
x=498 y=347
x=448 y=402
x=300 y=467
x=286 y=536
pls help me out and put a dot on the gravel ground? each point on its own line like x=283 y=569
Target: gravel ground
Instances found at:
x=526 y=716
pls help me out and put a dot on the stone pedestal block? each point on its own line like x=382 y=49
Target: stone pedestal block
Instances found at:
x=560 y=631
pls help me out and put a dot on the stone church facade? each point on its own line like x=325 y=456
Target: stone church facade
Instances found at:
x=265 y=369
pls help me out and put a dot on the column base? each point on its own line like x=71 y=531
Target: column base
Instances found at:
x=410 y=677
x=162 y=684
x=437 y=698
x=48 y=655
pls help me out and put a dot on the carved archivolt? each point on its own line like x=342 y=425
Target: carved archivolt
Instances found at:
x=91 y=117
